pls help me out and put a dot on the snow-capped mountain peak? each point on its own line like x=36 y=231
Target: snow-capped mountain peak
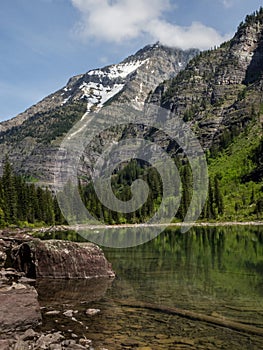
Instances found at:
x=130 y=80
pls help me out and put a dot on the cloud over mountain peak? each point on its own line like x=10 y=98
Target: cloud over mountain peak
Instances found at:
x=122 y=20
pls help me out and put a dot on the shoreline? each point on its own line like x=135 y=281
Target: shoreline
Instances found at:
x=142 y=225
x=76 y=228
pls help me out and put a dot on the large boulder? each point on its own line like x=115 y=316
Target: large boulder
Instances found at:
x=61 y=259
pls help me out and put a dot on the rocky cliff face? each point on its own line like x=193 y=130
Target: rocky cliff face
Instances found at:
x=220 y=90
x=31 y=139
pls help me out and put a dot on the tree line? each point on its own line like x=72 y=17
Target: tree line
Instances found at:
x=23 y=203
x=136 y=169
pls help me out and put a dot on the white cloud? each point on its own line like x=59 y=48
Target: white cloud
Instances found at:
x=120 y=20
x=117 y=20
x=197 y=35
x=227 y=3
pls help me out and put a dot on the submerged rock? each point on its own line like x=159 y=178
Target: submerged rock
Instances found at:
x=68 y=313
x=92 y=312
x=29 y=334
x=52 y=313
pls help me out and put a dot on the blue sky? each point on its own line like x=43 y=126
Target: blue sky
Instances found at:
x=45 y=42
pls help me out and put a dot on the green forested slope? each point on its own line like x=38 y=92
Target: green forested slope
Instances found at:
x=239 y=168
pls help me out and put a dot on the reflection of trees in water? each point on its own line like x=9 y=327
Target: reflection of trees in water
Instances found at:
x=225 y=260
x=211 y=259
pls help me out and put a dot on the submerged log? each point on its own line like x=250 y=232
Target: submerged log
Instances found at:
x=223 y=322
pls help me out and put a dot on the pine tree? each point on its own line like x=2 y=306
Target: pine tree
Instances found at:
x=186 y=177
x=210 y=212
x=218 y=196
x=49 y=216
x=9 y=194
x=58 y=216
x=21 y=190
x=32 y=203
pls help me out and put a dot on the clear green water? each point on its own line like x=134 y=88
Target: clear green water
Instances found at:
x=212 y=271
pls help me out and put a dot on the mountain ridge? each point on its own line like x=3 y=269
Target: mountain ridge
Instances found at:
x=31 y=140
x=62 y=96
x=215 y=83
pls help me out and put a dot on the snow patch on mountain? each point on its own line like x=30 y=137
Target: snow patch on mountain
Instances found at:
x=97 y=94
x=65 y=100
x=106 y=83
x=121 y=70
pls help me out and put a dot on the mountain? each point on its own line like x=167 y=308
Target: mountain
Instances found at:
x=31 y=139
x=220 y=96
x=218 y=93
x=218 y=88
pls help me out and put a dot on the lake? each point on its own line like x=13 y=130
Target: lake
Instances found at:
x=214 y=271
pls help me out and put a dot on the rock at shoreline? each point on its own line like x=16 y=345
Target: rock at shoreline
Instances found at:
x=52 y=258
x=19 y=307
x=61 y=259
x=49 y=341
x=23 y=258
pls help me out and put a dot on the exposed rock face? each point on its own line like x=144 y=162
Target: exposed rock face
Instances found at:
x=218 y=89
x=31 y=139
x=247 y=47
x=61 y=259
